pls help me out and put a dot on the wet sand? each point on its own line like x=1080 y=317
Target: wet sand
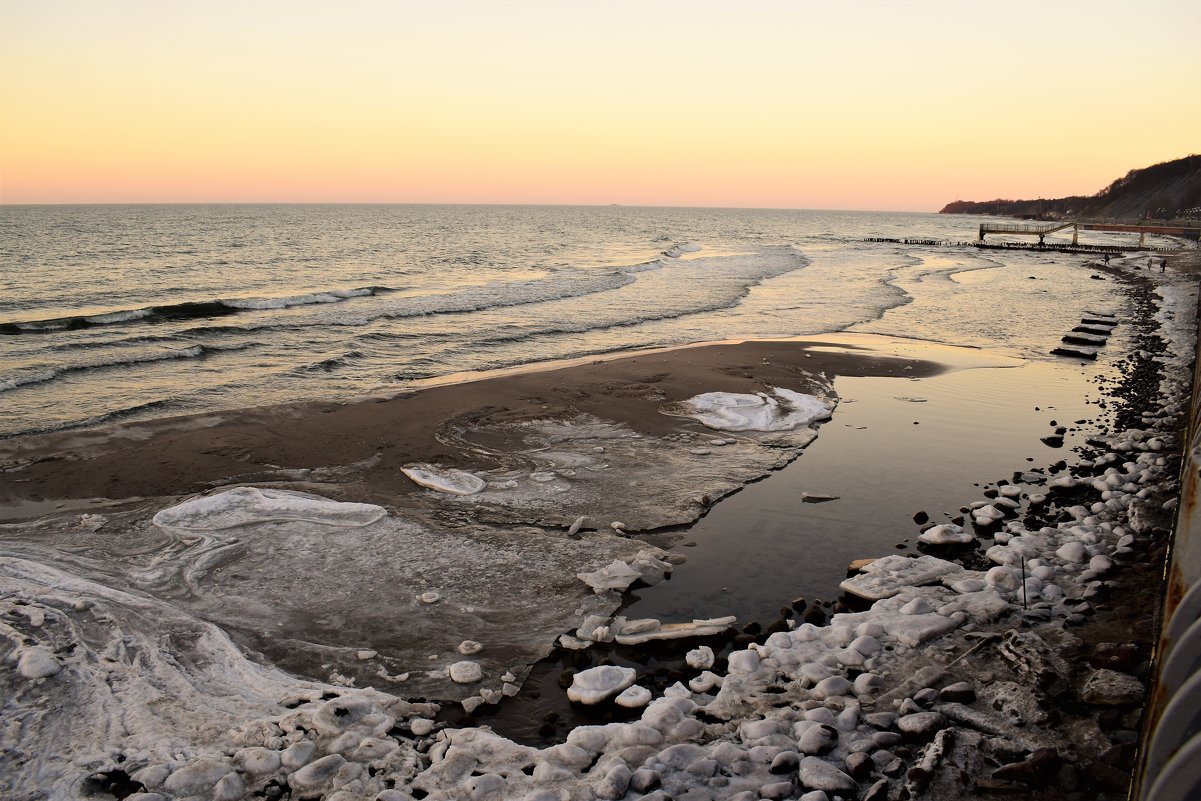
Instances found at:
x=178 y=456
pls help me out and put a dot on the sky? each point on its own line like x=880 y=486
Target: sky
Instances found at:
x=853 y=104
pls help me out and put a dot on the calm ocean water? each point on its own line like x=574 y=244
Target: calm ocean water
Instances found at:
x=124 y=312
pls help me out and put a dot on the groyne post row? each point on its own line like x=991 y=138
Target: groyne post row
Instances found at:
x=1170 y=767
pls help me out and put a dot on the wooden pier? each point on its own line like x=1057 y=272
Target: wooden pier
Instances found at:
x=1041 y=229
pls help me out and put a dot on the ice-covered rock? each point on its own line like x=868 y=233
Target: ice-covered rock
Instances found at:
x=889 y=575
x=701 y=658
x=777 y=410
x=244 y=506
x=946 y=534
x=466 y=672
x=37 y=663
x=633 y=697
x=442 y=479
x=594 y=685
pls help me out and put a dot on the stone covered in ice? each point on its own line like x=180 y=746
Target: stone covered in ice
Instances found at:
x=887 y=576
x=946 y=534
x=449 y=480
x=594 y=685
x=245 y=506
x=700 y=658
x=466 y=672
x=633 y=697
x=779 y=410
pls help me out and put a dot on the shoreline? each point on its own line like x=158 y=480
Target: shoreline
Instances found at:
x=623 y=393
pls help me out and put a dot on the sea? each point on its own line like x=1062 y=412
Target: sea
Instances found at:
x=125 y=312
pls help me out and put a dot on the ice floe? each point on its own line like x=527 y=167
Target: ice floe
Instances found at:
x=245 y=506
x=439 y=479
x=776 y=410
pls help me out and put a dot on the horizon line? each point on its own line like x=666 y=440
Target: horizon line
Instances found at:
x=7 y=204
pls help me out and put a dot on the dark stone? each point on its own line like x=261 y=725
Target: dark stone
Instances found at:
x=960 y=692
x=785 y=762
x=921 y=517
x=1053 y=441
x=859 y=766
x=1124 y=658
x=877 y=792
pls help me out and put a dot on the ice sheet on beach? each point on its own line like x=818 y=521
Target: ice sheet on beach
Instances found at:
x=245 y=506
x=777 y=410
x=887 y=576
x=553 y=471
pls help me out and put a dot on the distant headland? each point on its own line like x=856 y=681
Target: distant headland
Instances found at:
x=1170 y=190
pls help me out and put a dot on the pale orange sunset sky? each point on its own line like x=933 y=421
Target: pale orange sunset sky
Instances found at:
x=809 y=104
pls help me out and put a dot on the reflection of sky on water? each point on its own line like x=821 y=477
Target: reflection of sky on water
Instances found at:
x=758 y=549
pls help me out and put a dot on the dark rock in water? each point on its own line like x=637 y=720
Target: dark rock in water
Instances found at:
x=1053 y=441
x=815 y=615
x=921 y=517
x=1097 y=277
x=798 y=604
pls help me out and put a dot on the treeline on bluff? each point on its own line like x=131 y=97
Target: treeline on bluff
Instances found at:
x=1162 y=191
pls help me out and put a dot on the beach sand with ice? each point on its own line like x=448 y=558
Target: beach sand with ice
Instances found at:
x=199 y=640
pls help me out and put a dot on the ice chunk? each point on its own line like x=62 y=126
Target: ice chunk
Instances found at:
x=455 y=482
x=596 y=684
x=615 y=576
x=633 y=697
x=244 y=506
x=673 y=631
x=466 y=672
x=946 y=534
x=887 y=576
x=779 y=410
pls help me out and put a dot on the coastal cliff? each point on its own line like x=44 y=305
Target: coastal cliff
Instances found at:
x=1162 y=191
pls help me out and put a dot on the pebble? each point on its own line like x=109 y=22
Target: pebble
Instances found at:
x=921 y=725
x=818 y=740
x=817 y=774
x=960 y=692
x=469 y=647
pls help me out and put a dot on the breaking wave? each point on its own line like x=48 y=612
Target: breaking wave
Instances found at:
x=185 y=310
x=41 y=375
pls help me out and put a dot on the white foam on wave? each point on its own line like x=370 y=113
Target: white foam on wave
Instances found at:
x=259 y=304
x=41 y=376
x=244 y=506
x=118 y=316
x=779 y=410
